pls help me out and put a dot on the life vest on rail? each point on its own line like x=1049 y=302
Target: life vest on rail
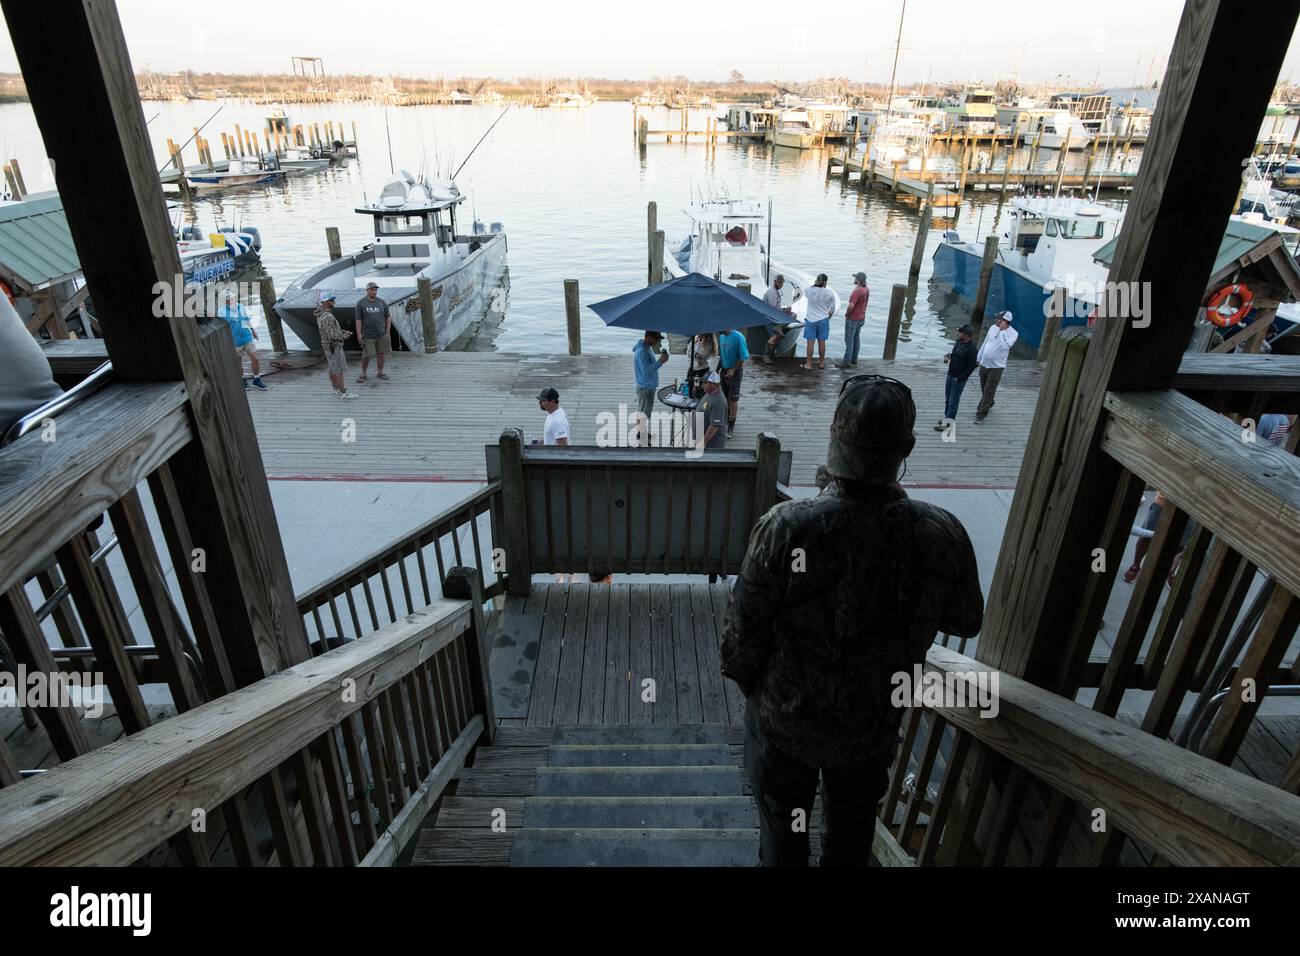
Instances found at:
x=1223 y=319
x=9 y=293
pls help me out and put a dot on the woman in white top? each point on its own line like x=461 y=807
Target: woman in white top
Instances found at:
x=703 y=361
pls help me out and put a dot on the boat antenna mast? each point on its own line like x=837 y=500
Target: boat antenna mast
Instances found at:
x=480 y=142
x=893 y=73
x=768 y=272
x=388 y=133
x=191 y=139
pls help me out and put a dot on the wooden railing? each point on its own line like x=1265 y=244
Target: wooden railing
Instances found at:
x=368 y=589
x=332 y=761
x=629 y=510
x=1012 y=789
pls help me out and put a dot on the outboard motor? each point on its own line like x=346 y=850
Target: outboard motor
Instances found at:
x=496 y=228
x=951 y=235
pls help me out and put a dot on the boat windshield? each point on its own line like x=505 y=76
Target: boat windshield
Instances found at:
x=401 y=225
x=1081 y=228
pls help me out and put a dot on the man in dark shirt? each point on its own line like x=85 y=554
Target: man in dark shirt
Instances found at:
x=374 y=331
x=961 y=362
x=837 y=594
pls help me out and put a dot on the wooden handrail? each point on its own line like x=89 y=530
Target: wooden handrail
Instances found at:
x=1202 y=462
x=115 y=804
x=1188 y=808
x=50 y=490
x=475 y=505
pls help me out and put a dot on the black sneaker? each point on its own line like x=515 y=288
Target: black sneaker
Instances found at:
x=979 y=419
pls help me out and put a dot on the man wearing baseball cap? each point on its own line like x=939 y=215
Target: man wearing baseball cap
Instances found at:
x=837 y=595
x=332 y=338
x=961 y=363
x=711 y=414
x=556 y=431
x=855 y=318
x=992 y=359
x=374 y=331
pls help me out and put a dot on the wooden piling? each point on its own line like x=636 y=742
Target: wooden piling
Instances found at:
x=266 y=288
x=573 y=316
x=18 y=176
x=657 y=258
x=1006 y=171
x=651 y=224
x=642 y=131
x=922 y=231
x=356 y=150
x=896 y=180
x=961 y=183
x=896 y=297
x=428 y=318
x=13 y=183
x=986 y=274
x=239 y=139
x=1033 y=153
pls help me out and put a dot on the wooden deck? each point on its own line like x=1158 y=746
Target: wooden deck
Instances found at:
x=432 y=419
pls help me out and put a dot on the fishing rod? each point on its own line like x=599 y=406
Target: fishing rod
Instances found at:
x=768 y=277
x=389 y=134
x=480 y=142
x=191 y=139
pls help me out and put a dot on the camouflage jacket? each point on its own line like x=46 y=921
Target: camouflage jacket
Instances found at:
x=836 y=594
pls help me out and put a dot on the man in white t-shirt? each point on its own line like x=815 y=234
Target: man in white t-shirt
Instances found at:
x=992 y=359
x=556 y=431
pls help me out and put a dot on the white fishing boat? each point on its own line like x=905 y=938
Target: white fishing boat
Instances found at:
x=304 y=159
x=726 y=243
x=240 y=172
x=897 y=139
x=794 y=129
x=1061 y=128
x=1259 y=196
x=975 y=113
x=415 y=237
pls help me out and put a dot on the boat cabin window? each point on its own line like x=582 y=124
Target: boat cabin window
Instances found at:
x=1051 y=228
x=401 y=225
x=1082 y=229
x=1028 y=234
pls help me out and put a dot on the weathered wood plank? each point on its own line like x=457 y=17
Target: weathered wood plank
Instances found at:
x=618 y=685
x=591 y=702
x=90 y=809
x=541 y=703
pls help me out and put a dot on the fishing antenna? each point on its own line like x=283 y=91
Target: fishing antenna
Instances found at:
x=191 y=139
x=480 y=142
x=389 y=134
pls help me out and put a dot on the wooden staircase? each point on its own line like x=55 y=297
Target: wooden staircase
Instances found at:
x=611 y=795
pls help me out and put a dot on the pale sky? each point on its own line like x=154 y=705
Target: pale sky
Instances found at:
x=1111 y=41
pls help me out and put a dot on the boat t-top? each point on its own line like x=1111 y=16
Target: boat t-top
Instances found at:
x=416 y=236
x=725 y=243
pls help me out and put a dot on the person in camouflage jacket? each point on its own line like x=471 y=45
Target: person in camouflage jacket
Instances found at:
x=837 y=594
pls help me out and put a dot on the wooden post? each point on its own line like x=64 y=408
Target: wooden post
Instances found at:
x=333 y=243
x=642 y=131
x=1006 y=171
x=652 y=223
x=896 y=298
x=573 y=316
x=1033 y=153
x=239 y=140
x=986 y=274
x=922 y=232
x=226 y=501
x=961 y=183
x=1067 y=485
x=356 y=150
x=463 y=584
x=657 y=258
x=428 y=317
x=767 y=450
x=896 y=179
x=18 y=176
x=13 y=183
x=1060 y=161
x=514 y=514
x=266 y=289
x=1052 y=322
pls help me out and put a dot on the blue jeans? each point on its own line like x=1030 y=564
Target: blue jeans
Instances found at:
x=852 y=333
x=952 y=388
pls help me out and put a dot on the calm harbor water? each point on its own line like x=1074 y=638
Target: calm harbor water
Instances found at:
x=570 y=188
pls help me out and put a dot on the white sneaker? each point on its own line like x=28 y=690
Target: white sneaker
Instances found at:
x=348 y=395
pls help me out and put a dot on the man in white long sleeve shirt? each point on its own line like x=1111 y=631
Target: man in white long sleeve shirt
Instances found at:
x=992 y=360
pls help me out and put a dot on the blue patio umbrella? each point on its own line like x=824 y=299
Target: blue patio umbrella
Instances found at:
x=691 y=305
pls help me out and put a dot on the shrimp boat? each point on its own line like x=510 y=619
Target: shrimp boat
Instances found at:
x=415 y=237
x=723 y=243
x=240 y=172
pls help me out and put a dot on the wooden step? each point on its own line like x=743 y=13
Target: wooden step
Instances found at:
x=639 y=755
x=634 y=847
x=685 y=813
x=638 y=782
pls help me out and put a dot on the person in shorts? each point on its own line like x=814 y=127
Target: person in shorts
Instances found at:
x=817 y=321
x=332 y=339
x=733 y=353
x=374 y=331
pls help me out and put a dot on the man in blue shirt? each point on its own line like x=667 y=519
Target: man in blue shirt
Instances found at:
x=243 y=335
x=648 y=357
x=733 y=352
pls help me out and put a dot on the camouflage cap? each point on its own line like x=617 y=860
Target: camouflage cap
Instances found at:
x=872 y=429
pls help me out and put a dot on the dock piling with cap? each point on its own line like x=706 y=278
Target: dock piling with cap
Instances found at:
x=266 y=289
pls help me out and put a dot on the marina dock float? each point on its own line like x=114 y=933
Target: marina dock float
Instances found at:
x=915 y=182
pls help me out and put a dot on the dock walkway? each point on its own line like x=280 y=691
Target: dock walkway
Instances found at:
x=430 y=421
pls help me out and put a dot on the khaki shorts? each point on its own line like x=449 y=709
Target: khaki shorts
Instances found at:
x=376 y=345
x=248 y=348
x=337 y=361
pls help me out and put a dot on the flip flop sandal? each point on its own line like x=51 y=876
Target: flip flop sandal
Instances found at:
x=383 y=376
x=361 y=379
